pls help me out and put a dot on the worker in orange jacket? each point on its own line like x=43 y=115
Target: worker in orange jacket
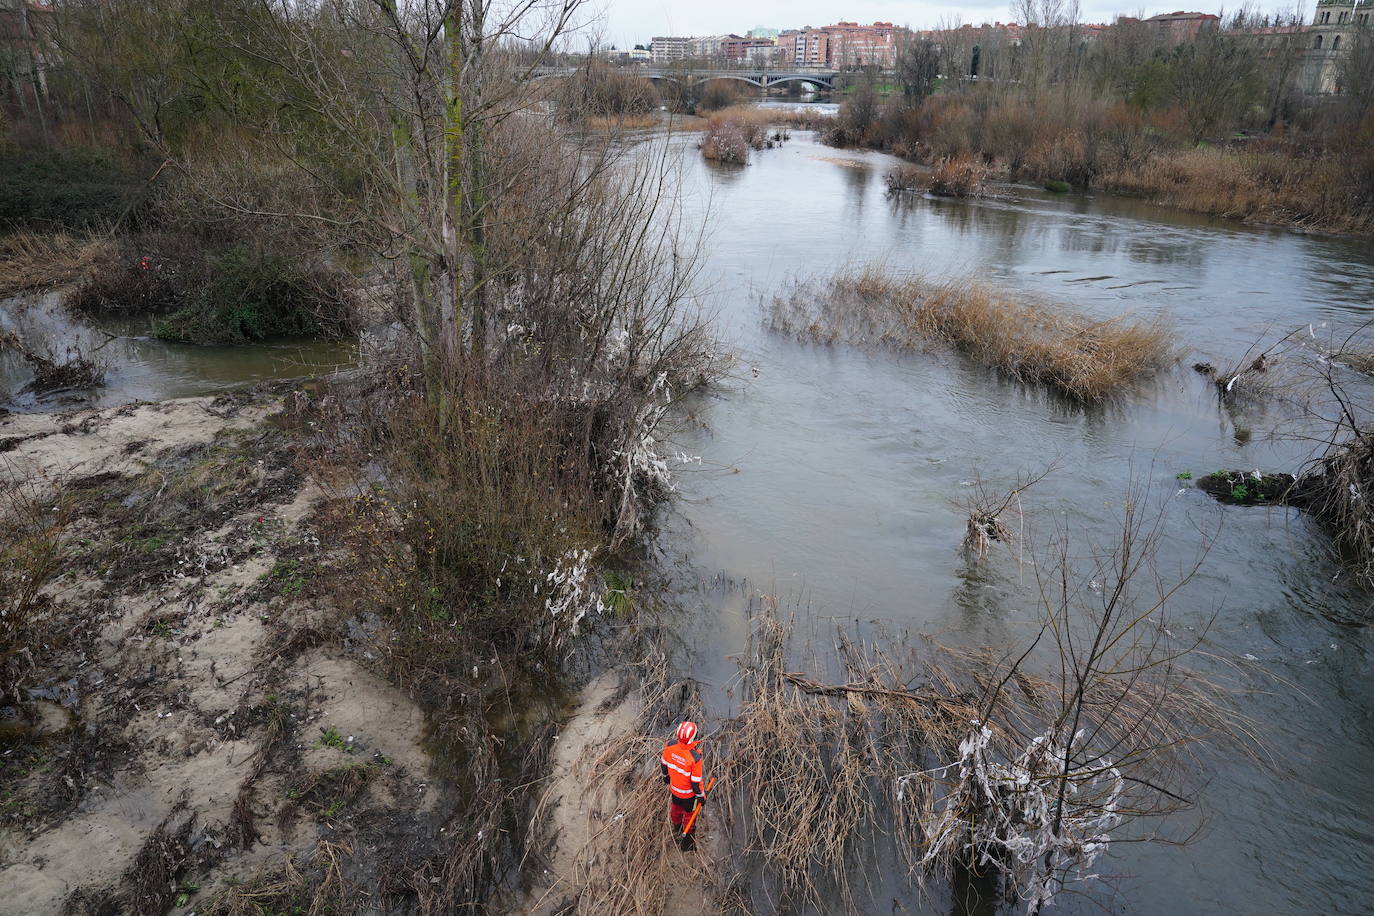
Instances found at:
x=681 y=765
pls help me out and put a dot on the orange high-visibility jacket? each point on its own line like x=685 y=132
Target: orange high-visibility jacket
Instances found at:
x=682 y=764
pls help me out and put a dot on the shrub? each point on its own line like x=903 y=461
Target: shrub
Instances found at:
x=731 y=139
x=605 y=94
x=67 y=188
x=719 y=94
x=907 y=178
x=961 y=177
x=243 y=294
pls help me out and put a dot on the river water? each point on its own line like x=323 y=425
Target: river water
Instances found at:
x=830 y=477
x=142 y=368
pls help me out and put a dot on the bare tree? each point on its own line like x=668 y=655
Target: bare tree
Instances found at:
x=1213 y=78
x=918 y=68
x=1355 y=75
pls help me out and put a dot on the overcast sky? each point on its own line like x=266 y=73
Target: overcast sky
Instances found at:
x=627 y=22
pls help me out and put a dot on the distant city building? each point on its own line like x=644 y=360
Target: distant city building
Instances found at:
x=709 y=47
x=1180 y=26
x=627 y=55
x=736 y=48
x=845 y=45
x=1328 y=41
x=668 y=48
x=853 y=45
x=806 y=48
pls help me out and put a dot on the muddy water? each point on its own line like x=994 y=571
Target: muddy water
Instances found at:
x=831 y=477
x=140 y=368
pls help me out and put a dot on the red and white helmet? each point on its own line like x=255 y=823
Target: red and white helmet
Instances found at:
x=686 y=732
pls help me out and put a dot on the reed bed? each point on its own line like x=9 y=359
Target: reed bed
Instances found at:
x=1034 y=341
x=1259 y=186
x=1021 y=765
x=42 y=261
x=768 y=118
x=621 y=122
x=630 y=863
x=909 y=745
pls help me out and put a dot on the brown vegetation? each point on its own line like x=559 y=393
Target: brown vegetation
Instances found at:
x=729 y=140
x=601 y=96
x=720 y=94
x=40 y=261
x=731 y=133
x=955 y=177
x=767 y=119
x=1085 y=359
x=1020 y=766
x=1216 y=124
x=1267 y=185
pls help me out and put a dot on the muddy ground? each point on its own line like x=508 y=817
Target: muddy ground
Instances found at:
x=202 y=727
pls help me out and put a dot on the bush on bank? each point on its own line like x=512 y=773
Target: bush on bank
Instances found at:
x=1057 y=138
x=601 y=95
x=216 y=292
x=73 y=188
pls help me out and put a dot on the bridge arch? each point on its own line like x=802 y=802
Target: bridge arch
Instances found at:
x=742 y=79
x=825 y=82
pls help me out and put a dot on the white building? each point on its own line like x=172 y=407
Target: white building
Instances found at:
x=668 y=48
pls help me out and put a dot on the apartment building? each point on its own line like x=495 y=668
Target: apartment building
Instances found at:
x=806 y=47
x=852 y=45
x=737 y=48
x=1180 y=27
x=665 y=49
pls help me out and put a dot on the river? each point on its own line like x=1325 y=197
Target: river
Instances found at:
x=139 y=367
x=831 y=477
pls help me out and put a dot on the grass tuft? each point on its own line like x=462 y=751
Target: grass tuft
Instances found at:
x=1084 y=359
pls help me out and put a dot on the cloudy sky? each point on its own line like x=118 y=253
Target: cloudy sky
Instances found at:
x=626 y=22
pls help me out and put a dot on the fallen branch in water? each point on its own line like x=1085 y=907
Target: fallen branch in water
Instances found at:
x=72 y=373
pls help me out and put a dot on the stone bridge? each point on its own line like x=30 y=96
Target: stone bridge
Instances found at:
x=762 y=78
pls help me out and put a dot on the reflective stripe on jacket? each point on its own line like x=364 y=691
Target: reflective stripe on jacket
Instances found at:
x=682 y=764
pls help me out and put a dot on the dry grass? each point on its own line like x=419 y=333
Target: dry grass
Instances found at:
x=41 y=261
x=766 y=119
x=1034 y=341
x=33 y=554
x=1259 y=186
x=1338 y=490
x=319 y=888
x=726 y=140
x=631 y=863
x=621 y=122
x=811 y=768
x=957 y=176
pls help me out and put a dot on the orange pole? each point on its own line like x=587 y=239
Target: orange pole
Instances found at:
x=697 y=810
